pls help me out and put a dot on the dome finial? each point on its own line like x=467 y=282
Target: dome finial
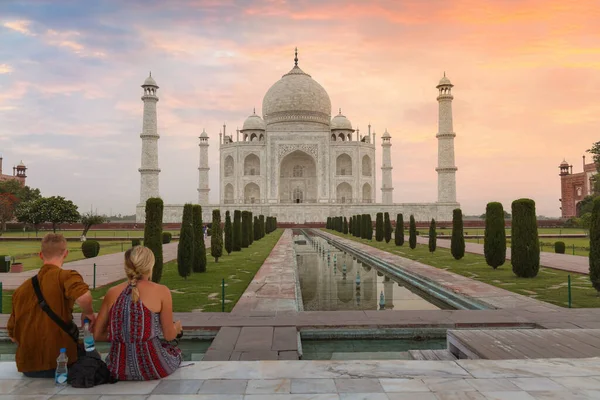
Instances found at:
x=340 y=110
x=444 y=74
x=150 y=73
x=296 y=57
x=254 y=111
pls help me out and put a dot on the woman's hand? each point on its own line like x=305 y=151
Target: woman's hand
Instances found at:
x=178 y=327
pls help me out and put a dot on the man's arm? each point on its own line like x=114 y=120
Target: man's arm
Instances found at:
x=85 y=303
x=10 y=327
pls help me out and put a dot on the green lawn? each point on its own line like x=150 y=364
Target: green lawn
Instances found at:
x=543 y=231
x=90 y=235
x=582 y=245
x=203 y=291
x=27 y=252
x=550 y=285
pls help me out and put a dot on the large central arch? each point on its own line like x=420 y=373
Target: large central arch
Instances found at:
x=298 y=178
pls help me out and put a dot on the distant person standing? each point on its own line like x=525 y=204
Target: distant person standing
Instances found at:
x=204 y=231
x=38 y=338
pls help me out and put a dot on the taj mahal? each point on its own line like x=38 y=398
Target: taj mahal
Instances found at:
x=297 y=163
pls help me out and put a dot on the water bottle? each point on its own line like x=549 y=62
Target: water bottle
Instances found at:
x=60 y=378
x=88 y=338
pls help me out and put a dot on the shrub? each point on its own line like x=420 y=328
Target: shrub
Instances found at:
x=399 y=234
x=237 y=230
x=412 y=233
x=185 y=247
x=167 y=237
x=379 y=227
x=494 y=242
x=359 y=226
x=369 y=227
x=345 y=229
x=525 y=249
x=432 y=236
x=153 y=238
x=245 y=230
x=216 y=242
x=457 y=241
x=350 y=225
x=228 y=233
x=262 y=226
x=90 y=248
x=199 y=245
x=136 y=242
x=255 y=229
x=595 y=245
x=559 y=247
x=208 y=231
x=387 y=227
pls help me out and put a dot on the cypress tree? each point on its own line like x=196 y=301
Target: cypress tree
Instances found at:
x=255 y=229
x=345 y=226
x=369 y=227
x=153 y=234
x=432 y=236
x=262 y=226
x=350 y=225
x=359 y=226
x=185 y=248
x=595 y=245
x=237 y=230
x=525 y=243
x=216 y=240
x=363 y=226
x=379 y=227
x=494 y=242
x=245 y=230
x=199 y=246
x=457 y=241
x=387 y=227
x=228 y=233
x=412 y=233
x=399 y=234
x=250 y=228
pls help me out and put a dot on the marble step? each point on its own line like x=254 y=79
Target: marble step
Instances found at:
x=431 y=355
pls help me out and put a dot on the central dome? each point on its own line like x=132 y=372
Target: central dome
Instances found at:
x=296 y=97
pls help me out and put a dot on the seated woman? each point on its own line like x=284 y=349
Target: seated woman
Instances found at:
x=132 y=316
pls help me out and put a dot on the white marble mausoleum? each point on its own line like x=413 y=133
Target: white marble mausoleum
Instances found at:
x=299 y=164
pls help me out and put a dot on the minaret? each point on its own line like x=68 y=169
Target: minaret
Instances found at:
x=387 y=188
x=149 y=170
x=203 y=187
x=446 y=169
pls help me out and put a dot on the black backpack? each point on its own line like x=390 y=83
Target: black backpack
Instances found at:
x=89 y=370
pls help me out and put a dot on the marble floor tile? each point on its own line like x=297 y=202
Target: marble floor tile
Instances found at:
x=511 y=395
x=305 y=396
x=8 y=385
x=578 y=383
x=412 y=396
x=82 y=397
x=196 y=397
x=363 y=396
x=313 y=386
x=24 y=397
x=360 y=385
x=268 y=386
x=119 y=388
x=531 y=368
x=459 y=396
x=182 y=386
x=592 y=394
x=38 y=386
x=124 y=397
x=562 y=395
x=448 y=385
x=8 y=370
x=536 y=384
x=493 y=385
x=403 y=385
x=224 y=386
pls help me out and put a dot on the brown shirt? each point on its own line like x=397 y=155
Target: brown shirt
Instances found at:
x=39 y=338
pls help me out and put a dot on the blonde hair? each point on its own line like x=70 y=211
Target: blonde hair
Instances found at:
x=139 y=261
x=53 y=245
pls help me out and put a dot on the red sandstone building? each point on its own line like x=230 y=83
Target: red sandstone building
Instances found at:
x=19 y=173
x=574 y=187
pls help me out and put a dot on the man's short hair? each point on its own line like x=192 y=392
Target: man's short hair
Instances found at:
x=53 y=245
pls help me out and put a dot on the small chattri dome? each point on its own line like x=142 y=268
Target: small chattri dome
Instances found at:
x=150 y=81
x=386 y=134
x=445 y=81
x=203 y=134
x=21 y=164
x=254 y=122
x=341 y=122
x=564 y=163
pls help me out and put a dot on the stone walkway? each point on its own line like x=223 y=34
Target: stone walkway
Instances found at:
x=565 y=262
x=109 y=268
x=339 y=380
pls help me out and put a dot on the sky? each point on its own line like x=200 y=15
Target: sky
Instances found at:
x=526 y=76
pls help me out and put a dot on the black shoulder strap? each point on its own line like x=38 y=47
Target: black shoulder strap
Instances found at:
x=70 y=329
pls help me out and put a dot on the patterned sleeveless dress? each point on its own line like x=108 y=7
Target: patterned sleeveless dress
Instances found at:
x=136 y=351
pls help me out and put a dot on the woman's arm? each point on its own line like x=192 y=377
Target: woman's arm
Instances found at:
x=170 y=331
x=101 y=326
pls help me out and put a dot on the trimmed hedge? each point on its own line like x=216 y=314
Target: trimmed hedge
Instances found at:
x=199 y=245
x=559 y=247
x=379 y=227
x=90 y=248
x=167 y=237
x=153 y=238
x=387 y=227
x=412 y=233
x=228 y=233
x=245 y=230
x=494 y=244
x=432 y=236
x=237 y=230
x=136 y=242
x=185 y=247
x=457 y=241
x=525 y=243
x=595 y=245
x=399 y=233
x=250 y=228
x=262 y=226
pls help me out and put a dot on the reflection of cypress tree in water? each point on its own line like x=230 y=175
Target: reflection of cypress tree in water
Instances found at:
x=308 y=267
x=369 y=289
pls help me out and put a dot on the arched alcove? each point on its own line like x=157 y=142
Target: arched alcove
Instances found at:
x=366 y=193
x=366 y=165
x=343 y=165
x=251 y=193
x=344 y=193
x=228 y=194
x=252 y=165
x=229 y=166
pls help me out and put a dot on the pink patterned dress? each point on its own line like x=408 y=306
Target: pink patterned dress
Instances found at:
x=136 y=351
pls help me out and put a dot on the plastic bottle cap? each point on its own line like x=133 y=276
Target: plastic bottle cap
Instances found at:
x=86 y=321
x=63 y=350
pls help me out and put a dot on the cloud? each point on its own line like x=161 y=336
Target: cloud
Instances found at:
x=5 y=69
x=20 y=26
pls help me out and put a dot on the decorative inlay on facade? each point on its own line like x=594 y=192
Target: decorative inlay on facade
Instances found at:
x=285 y=149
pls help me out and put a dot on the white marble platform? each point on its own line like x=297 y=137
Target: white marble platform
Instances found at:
x=339 y=380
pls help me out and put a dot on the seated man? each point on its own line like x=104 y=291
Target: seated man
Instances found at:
x=38 y=338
